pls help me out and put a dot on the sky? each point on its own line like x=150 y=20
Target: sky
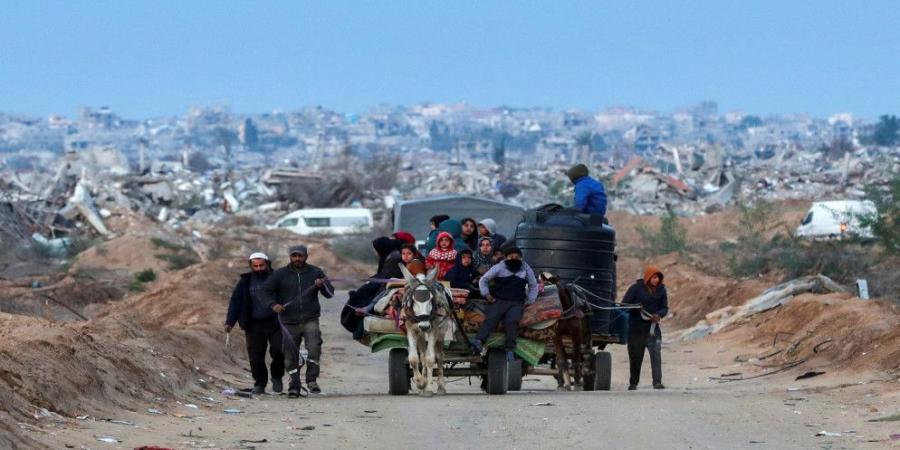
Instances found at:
x=157 y=58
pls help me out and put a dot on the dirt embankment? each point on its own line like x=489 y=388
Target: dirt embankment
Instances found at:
x=160 y=343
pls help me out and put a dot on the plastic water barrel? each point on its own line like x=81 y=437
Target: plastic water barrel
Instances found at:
x=578 y=248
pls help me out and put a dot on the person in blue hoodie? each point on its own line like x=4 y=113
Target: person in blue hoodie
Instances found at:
x=463 y=273
x=435 y=222
x=590 y=195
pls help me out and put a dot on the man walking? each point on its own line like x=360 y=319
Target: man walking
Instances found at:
x=590 y=195
x=514 y=286
x=292 y=292
x=259 y=323
x=643 y=325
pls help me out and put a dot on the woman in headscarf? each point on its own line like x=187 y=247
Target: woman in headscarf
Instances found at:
x=482 y=259
x=388 y=251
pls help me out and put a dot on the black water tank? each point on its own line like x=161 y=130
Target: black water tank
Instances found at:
x=576 y=247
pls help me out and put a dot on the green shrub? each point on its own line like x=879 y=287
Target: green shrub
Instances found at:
x=178 y=261
x=671 y=237
x=145 y=276
x=886 y=224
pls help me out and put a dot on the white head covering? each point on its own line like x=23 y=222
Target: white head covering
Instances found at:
x=258 y=255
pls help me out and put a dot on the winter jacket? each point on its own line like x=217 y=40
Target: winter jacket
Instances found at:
x=460 y=276
x=442 y=259
x=652 y=300
x=240 y=307
x=480 y=261
x=497 y=238
x=500 y=271
x=590 y=196
x=285 y=287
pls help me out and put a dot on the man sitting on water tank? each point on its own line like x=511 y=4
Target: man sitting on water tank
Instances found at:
x=590 y=195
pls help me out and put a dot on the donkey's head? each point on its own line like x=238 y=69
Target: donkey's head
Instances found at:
x=422 y=298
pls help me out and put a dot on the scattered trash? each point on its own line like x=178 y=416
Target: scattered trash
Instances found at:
x=731 y=374
x=155 y=411
x=809 y=375
x=370 y=411
x=542 y=404
x=82 y=417
x=192 y=406
x=109 y=440
x=211 y=400
x=308 y=428
x=233 y=411
x=253 y=441
x=119 y=422
x=229 y=391
x=824 y=433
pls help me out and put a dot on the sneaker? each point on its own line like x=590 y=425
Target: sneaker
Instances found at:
x=277 y=385
x=258 y=390
x=477 y=348
x=313 y=387
x=632 y=387
x=658 y=386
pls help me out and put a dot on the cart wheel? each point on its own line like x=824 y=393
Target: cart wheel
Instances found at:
x=600 y=377
x=515 y=370
x=497 y=372
x=398 y=372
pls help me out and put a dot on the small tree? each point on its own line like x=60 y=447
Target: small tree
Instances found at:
x=750 y=251
x=887 y=131
x=671 y=237
x=885 y=224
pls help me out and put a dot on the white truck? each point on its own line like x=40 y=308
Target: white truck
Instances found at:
x=837 y=220
x=327 y=221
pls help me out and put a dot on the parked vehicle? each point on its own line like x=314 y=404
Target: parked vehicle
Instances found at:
x=837 y=220
x=328 y=221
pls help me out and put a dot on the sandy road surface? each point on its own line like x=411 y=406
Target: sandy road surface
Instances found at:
x=355 y=412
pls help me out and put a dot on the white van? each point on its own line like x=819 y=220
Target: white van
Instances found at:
x=328 y=221
x=837 y=219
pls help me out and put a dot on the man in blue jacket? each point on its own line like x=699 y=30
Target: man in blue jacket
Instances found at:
x=259 y=323
x=590 y=195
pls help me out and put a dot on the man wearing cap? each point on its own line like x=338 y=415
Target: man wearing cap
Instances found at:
x=259 y=323
x=292 y=292
x=590 y=195
x=508 y=287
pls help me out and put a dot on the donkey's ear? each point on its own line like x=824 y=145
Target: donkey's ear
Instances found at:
x=432 y=274
x=406 y=273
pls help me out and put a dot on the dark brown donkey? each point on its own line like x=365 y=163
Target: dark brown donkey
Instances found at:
x=570 y=325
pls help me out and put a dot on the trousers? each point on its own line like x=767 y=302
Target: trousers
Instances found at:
x=509 y=312
x=309 y=334
x=639 y=339
x=261 y=336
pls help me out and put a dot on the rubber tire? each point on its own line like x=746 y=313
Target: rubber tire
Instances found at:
x=514 y=370
x=497 y=372
x=398 y=372
x=602 y=371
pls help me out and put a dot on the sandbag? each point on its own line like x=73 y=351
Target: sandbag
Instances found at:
x=374 y=324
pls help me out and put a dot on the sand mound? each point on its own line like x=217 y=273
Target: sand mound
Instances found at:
x=835 y=331
x=162 y=344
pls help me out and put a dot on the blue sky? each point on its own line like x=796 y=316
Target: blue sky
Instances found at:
x=157 y=58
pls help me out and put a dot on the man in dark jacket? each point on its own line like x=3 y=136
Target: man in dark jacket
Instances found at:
x=590 y=195
x=259 y=324
x=643 y=325
x=293 y=293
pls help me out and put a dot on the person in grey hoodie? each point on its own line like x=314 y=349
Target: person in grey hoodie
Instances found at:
x=488 y=228
x=293 y=293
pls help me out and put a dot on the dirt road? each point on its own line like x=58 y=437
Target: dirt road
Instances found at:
x=355 y=412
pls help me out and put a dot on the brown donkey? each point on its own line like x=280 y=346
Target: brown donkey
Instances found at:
x=570 y=325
